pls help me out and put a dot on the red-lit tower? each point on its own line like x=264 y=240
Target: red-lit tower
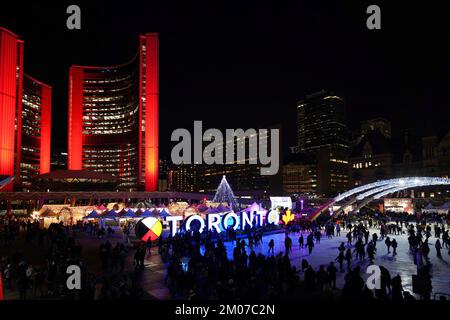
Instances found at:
x=11 y=83
x=25 y=117
x=36 y=130
x=113 y=118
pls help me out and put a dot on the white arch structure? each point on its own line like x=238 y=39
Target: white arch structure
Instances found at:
x=379 y=189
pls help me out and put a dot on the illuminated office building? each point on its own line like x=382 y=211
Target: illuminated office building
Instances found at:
x=244 y=178
x=113 y=118
x=25 y=117
x=36 y=130
x=322 y=131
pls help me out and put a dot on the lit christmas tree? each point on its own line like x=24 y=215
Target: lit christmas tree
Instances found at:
x=225 y=194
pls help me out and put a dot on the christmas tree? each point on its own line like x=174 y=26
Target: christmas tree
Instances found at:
x=225 y=194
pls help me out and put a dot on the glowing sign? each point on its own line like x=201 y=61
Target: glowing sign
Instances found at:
x=288 y=216
x=218 y=223
x=399 y=205
x=284 y=202
x=148 y=228
x=273 y=217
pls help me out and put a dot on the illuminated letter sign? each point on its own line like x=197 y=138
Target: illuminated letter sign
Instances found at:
x=260 y=219
x=227 y=217
x=172 y=220
x=213 y=222
x=246 y=219
x=218 y=223
x=273 y=217
x=195 y=217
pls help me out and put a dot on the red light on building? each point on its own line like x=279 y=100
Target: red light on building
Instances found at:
x=11 y=80
x=150 y=41
x=75 y=124
x=46 y=129
x=113 y=118
x=25 y=117
x=35 y=131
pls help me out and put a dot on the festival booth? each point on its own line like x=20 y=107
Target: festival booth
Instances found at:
x=202 y=208
x=146 y=213
x=92 y=218
x=139 y=213
x=110 y=219
x=64 y=214
x=214 y=204
x=221 y=208
x=444 y=209
x=129 y=214
x=191 y=210
x=100 y=208
x=210 y=210
x=177 y=208
x=162 y=216
x=94 y=215
x=164 y=213
x=47 y=216
x=115 y=206
x=255 y=207
x=128 y=217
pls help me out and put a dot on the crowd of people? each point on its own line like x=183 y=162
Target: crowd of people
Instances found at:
x=213 y=275
x=45 y=276
x=199 y=267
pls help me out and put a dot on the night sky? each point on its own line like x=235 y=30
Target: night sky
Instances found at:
x=246 y=63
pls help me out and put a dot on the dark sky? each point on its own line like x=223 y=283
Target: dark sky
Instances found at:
x=247 y=63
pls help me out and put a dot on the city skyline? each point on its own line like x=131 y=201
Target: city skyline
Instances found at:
x=213 y=153
x=248 y=77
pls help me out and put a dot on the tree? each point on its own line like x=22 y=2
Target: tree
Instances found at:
x=224 y=193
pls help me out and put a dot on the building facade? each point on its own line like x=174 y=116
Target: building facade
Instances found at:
x=322 y=133
x=243 y=176
x=297 y=178
x=36 y=130
x=25 y=117
x=371 y=159
x=182 y=178
x=113 y=118
x=377 y=156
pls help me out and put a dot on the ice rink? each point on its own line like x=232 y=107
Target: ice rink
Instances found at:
x=327 y=250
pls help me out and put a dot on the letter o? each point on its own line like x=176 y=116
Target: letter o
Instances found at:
x=273 y=217
x=195 y=217
x=227 y=217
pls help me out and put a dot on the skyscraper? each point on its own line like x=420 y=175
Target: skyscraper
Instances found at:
x=322 y=131
x=113 y=118
x=36 y=130
x=25 y=117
